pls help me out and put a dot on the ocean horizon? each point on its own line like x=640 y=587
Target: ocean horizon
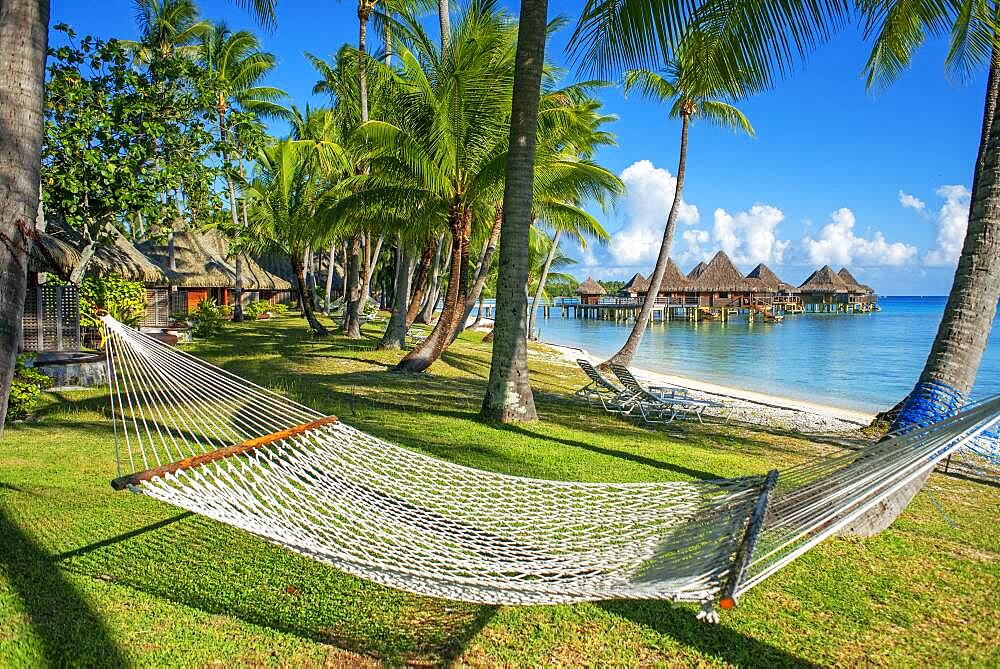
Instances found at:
x=865 y=362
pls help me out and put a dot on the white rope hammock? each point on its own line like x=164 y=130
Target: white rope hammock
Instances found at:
x=210 y=442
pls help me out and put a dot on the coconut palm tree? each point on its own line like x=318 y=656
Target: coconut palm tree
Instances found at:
x=167 y=28
x=443 y=157
x=692 y=86
x=233 y=67
x=508 y=395
x=290 y=202
x=23 y=47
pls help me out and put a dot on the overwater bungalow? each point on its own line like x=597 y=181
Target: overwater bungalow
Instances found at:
x=696 y=271
x=203 y=269
x=590 y=291
x=824 y=291
x=769 y=289
x=637 y=285
x=860 y=297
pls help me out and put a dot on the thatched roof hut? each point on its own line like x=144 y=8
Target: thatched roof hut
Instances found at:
x=853 y=284
x=824 y=280
x=720 y=275
x=202 y=261
x=673 y=280
x=59 y=249
x=696 y=271
x=638 y=284
x=590 y=287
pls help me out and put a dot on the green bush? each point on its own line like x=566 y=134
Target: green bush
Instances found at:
x=278 y=309
x=122 y=299
x=27 y=384
x=209 y=318
x=253 y=310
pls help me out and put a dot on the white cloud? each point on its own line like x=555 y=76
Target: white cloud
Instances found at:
x=951 y=224
x=749 y=237
x=695 y=250
x=911 y=202
x=836 y=244
x=649 y=194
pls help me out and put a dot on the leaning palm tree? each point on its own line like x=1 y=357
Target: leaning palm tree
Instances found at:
x=24 y=28
x=692 y=83
x=167 y=28
x=233 y=67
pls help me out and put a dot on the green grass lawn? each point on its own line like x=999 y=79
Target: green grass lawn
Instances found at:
x=89 y=576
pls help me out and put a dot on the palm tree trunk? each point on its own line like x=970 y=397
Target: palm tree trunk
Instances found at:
x=329 y=277
x=433 y=292
x=352 y=315
x=482 y=271
x=444 y=20
x=364 y=11
x=424 y=355
x=371 y=261
x=223 y=135
x=627 y=352
x=420 y=282
x=24 y=26
x=395 y=332
x=953 y=362
x=532 y=312
x=508 y=394
x=296 y=258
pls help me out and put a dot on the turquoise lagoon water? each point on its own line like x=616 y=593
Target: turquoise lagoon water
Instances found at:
x=858 y=361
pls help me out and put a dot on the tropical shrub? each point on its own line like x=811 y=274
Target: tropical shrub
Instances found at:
x=253 y=310
x=120 y=298
x=209 y=318
x=25 y=388
x=278 y=309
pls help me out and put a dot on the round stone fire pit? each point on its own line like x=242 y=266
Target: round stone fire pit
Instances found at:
x=73 y=368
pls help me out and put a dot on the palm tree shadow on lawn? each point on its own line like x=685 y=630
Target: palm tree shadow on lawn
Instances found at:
x=58 y=613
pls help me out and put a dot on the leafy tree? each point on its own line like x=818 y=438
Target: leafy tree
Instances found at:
x=115 y=141
x=167 y=29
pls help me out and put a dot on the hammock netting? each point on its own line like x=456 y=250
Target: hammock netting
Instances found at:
x=205 y=440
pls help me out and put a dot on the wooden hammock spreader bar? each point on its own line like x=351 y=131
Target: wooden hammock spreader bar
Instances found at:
x=728 y=600
x=122 y=482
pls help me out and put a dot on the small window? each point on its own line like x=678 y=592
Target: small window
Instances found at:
x=723 y=294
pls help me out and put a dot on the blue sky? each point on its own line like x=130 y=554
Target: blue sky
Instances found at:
x=835 y=174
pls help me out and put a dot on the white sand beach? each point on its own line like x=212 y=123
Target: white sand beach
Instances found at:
x=750 y=406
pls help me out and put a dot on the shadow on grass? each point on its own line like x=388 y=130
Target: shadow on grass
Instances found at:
x=198 y=563
x=71 y=633
x=718 y=641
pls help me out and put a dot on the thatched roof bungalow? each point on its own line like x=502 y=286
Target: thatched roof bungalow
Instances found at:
x=696 y=271
x=59 y=250
x=203 y=269
x=857 y=292
x=637 y=285
x=590 y=291
x=823 y=290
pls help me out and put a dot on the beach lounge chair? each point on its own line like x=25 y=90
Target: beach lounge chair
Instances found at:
x=610 y=396
x=662 y=404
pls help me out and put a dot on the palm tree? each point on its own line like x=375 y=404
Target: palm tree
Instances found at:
x=167 y=28
x=508 y=394
x=290 y=202
x=768 y=38
x=691 y=85
x=443 y=158
x=23 y=47
x=233 y=66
